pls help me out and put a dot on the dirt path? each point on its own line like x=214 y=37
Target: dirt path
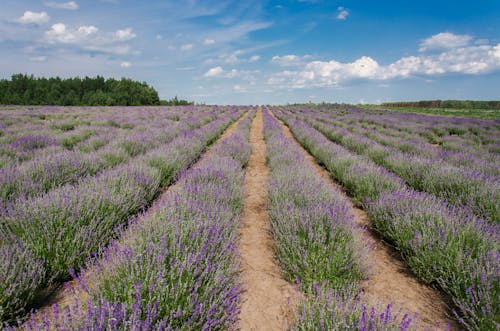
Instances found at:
x=390 y=279
x=66 y=294
x=268 y=300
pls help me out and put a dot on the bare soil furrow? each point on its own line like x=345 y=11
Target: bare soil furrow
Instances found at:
x=268 y=300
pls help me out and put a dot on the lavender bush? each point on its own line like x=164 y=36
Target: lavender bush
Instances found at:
x=343 y=310
x=311 y=223
x=448 y=247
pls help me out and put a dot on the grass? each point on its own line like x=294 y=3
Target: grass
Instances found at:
x=486 y=114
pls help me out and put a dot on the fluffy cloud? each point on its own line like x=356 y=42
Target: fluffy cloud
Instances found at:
x=443 y=41
x=214 y=72
x=125 y=34
x=125 y=64
x=30 y=17
x=70 y=5
x=208 y=42
x=89 y=37
x=458 y=59
x=342 y=13
x=59 y=33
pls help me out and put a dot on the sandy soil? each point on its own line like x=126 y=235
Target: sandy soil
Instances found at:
x=390 y=279
x=268 y=300
x=66 y=294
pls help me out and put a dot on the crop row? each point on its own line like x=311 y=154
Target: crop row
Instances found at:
x=459 y=186
x=316 y=244
x=442 y=245
x=26 y=134
x=176 y=267
x=49 y=171
x=449 y=132
x=43 y=238
x=475 y=159
x=474 y=136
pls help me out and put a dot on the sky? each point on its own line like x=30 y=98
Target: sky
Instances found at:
x=263 y=52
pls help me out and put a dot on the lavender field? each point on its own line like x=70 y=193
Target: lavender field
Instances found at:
x=131 y=218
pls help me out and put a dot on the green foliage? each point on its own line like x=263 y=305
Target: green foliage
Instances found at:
x=22 y=89
x=456 y=108
x=176 y=102
x=455 y=104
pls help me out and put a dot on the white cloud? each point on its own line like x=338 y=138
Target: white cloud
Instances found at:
x=254 y=58
x=214 y=72
x=125 y=64
x=186 y=47
x=443 y=41
x=462 y=60
x=59 y=33
x=30 y=17
x=290 y=60
x=125 y=34
x=342 y=13
x=70 y=5
x=90 y=38
x=208 y=42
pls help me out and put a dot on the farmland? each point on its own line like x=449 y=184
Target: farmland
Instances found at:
x=223 y=217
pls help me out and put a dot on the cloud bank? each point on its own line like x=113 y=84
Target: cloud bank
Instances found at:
x=457 y=55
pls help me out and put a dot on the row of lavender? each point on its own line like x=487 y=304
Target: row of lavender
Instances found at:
x=315 y=242
x=453 y=133
x=472 y=156
x=176 y=267
x=43 y=238
x=55 y=166
x=27 y=133
x=472 y=186
x=441 y=244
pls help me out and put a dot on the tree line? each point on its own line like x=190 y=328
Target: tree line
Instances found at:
x=24 y=89
x=455 y=104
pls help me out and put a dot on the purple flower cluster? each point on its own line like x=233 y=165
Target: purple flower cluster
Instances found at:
x=341 y=310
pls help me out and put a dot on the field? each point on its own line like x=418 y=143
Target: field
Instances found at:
x=487 y=114
x=326 y=217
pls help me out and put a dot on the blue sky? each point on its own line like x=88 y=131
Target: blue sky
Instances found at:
x=264 y=52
